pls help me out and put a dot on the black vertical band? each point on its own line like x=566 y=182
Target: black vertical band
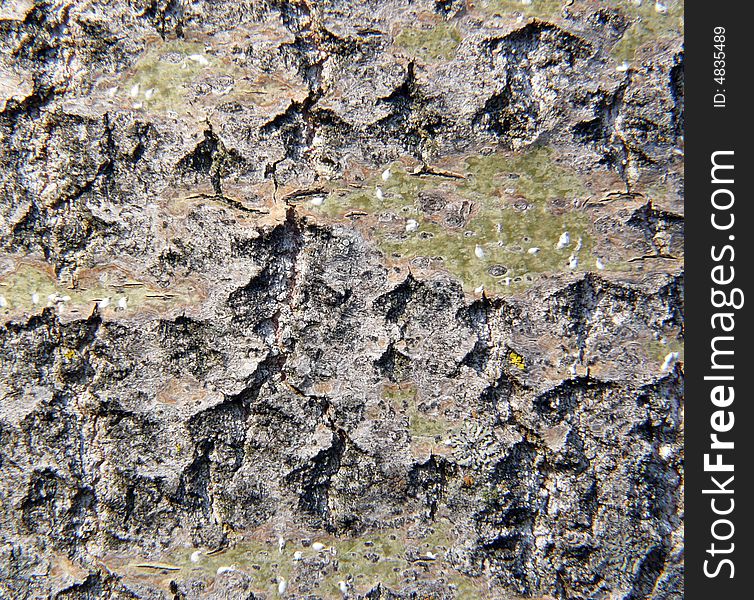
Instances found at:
x=719 y=174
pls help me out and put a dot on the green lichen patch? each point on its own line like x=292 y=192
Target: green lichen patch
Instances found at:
x=430 y=42
x=496 y=225
x=177 y=74
x=259 y=559
x=658 y=350
x=401 y=395
x=387 y=556
x=534 y=174
x=422 y=422
x=164 y=72
x=650 y=21
x=543 y=9
x=31 y=287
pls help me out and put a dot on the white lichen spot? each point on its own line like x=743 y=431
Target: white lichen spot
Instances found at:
x=198 y=58
x=35 y=298
x=123 y=303
x=112 y=91
x=623 y=67
x=3 y=302
x=661 y=8
x=579 y=245
x=149 y=94
x=479 y=252
x=103 y=303
x=317 y=201
x=573 y=262
x=134 y=91
x=412 y=225
x=343 y=587
x=572 y=370
x=665 y=452
x=533 y=250
x=281 y=544
x=138 y=105
x=221 y=570
x=479 y=290
x=379 y=194
x=565 y=239
x=282 y=585
x=298 y=555
x=670 y=359
x=318 y=546
x=195 y=556
x=600 y=265
x=386 y=174
x=431 y=555
x=223 y=92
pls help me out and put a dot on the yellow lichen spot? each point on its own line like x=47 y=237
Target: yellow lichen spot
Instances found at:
x=69 y=354
x=516 y=360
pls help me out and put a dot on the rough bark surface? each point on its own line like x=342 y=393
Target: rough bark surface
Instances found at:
x=401 y=279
